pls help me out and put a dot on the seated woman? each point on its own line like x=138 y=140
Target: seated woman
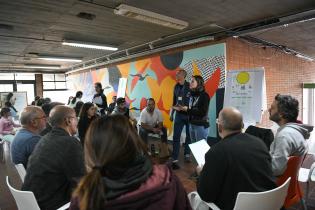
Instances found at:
x=7 y=125
x=120 y=174
x=86 y=116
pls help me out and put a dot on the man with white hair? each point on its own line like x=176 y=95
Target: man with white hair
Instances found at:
x=57 y=161
x=33 y=121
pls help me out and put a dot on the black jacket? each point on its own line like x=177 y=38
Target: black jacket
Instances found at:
x=103 y=105
x=198 y=108
x=182 y=91
x=55 y=164
x=83 y=126
x=238 y=163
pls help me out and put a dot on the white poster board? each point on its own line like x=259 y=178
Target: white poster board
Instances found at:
x=246 y=90
x=122 y=88
x=20 y=103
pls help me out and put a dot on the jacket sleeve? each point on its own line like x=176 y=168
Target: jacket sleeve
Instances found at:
x=279 y=151
x=104 y=99
x=212 y=175
x=201 y=108
x=74 y=162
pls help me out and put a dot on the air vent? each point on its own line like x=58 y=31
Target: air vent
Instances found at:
x=6 y=26
x=87 y=16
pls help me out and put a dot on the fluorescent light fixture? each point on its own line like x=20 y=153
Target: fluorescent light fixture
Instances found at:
x=304 y=57
x=88 y=45
x=151 y=17
x=34 y=66
x=64 y=59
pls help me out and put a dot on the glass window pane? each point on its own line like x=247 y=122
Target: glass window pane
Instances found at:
x=6 y=76
x=24 y=76
x=48 y=77
x=58 y=96
x=48 y=85
x=6 y=87
x=29 y=88
x=61 y=85
x=60 y=77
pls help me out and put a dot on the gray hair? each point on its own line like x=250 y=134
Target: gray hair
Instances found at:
x=231 y=119
x=58 y=115
x=29 y=113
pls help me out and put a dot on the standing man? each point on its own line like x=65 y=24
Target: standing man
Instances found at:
x=57 y=161
x=290 y=139
x=238 y=163
x=112 y=105
x=33 y=121
x=180 y=98
x=151 y=121
x=99 y=98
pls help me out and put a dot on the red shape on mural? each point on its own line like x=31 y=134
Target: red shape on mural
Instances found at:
x=213 y=82
x=143 y=103
x=159 y=69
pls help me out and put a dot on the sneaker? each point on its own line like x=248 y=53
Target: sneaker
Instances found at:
x=187 y=159
x=175 y=165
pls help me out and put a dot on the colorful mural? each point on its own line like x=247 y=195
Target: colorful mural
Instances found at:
x=155 y=77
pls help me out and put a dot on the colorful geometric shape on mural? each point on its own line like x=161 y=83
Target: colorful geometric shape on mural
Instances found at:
x=212 y=84
x=172 y=61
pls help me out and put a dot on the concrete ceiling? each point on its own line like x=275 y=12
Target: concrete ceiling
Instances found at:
x=32 y=27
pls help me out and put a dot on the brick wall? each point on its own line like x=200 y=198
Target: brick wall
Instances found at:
x=284 y=73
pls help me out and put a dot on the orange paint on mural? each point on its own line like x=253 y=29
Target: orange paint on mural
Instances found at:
x=196 y=70
x=213 y=82
x=167 y=85
x=154 y=88
x=124 y=69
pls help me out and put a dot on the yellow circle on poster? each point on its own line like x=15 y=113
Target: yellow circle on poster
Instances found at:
x=242 y=77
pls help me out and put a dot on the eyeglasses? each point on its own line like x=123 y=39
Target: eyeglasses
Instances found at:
x=217 y=121
x=39 y=118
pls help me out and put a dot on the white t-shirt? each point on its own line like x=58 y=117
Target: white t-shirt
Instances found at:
x=150 y=119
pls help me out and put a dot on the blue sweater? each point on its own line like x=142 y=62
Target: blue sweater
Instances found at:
x=23 y=145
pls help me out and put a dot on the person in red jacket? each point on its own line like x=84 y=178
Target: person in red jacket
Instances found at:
x=120 y=174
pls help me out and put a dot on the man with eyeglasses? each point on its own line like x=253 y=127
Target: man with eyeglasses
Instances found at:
x=33 y=121
x=57 y=161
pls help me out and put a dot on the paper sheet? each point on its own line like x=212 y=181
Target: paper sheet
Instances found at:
x=199 y=149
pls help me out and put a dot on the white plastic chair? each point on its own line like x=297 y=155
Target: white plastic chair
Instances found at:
x=267 y=200
x=306 y=176
x=25 y=200
x=21 y=171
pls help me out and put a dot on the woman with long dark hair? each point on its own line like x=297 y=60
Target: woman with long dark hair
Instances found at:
x=197 y=109
x=72 y=103
x=120 y=174
x=86 y=116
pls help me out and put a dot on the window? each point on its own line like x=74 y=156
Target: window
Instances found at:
x=54 y=82
x=24 y=76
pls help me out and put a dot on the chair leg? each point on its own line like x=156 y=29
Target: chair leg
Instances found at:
x=303 y=204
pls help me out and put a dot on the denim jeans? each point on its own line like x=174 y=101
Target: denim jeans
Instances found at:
x=180 y=121
x=198 y=132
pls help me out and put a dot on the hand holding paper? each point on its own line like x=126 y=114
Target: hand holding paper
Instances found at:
x=199 y=149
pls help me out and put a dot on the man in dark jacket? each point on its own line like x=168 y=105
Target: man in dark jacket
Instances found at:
x=238 y=163
x=180 y=97
x=56 y=161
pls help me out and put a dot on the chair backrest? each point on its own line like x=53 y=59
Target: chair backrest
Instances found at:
x=294 y=193
x=267 y=200
x=21 y=171
x=25 y=200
